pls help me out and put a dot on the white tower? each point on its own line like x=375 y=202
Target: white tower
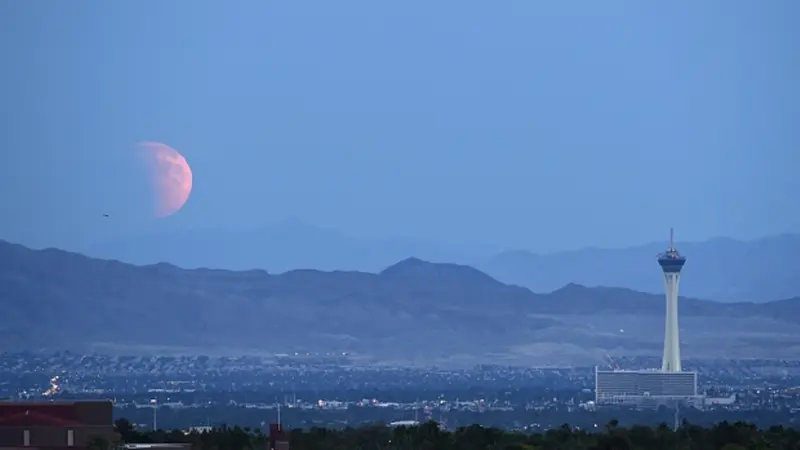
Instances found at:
x=671 y=263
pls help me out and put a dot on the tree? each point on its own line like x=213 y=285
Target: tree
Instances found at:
x=429 y=436
x=126 y=431
x=614 y=442
x=612 y=425
x=97 y=443
x=732 y=446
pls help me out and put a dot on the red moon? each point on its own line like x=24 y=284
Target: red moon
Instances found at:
x=170 y=174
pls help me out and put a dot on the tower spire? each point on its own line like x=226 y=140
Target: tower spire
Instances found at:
x=672 y=239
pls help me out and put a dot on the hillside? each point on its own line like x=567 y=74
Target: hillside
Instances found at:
x=412 y=309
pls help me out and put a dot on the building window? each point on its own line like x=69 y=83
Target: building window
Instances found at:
x=70 y=438
x=26 y=438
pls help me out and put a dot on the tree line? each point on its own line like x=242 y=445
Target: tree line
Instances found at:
x=430 y=436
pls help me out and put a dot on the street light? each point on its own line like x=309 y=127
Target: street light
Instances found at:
x=154 y=402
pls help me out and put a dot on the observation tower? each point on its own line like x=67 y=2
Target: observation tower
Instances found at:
x=671 y=263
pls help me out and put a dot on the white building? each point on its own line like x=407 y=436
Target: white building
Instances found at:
x=646 y=388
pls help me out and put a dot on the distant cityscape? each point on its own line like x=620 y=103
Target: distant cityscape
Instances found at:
x=328 y=390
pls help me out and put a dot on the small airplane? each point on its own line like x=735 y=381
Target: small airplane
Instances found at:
x=105 y=215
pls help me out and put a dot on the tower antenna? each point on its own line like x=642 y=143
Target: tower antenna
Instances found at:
x=672 y=239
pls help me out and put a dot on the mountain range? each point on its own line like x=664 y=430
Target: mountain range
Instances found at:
x=413 y=310
x=719 y=269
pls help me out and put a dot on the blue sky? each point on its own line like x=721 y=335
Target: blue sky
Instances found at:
x=543 y=125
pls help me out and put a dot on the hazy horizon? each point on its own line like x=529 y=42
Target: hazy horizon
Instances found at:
x=475 y=249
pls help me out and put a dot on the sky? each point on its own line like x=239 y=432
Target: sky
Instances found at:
x=543 y=125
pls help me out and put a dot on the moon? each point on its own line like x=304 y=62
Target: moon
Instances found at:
x=170 y=175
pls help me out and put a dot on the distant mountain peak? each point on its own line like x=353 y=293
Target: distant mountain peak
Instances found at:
x=572 y=287
x=416 y=268
x=407 y=266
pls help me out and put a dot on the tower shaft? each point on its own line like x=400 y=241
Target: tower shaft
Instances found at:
x=671 y=362
x=671 y=263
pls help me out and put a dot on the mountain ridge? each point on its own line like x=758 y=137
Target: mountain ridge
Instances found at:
x=413 y=308
x=408 y=266
x=722 y=268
